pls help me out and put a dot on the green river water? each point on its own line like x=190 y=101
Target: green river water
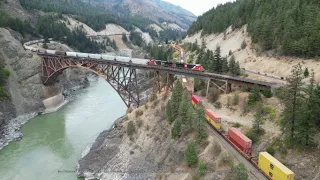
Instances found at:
x=54 y=142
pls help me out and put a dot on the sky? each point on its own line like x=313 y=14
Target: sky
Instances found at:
x=197 y=7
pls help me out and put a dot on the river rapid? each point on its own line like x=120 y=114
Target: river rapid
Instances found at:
x=53 y=143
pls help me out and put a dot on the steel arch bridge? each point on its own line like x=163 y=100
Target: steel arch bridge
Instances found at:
x=122 y=76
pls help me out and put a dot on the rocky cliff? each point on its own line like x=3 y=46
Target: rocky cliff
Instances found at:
x=25 y=86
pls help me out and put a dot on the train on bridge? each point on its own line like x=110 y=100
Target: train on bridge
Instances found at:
x=194 y=67
x=267 y=164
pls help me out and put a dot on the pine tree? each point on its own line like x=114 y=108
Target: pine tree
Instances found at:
x=237 y=69
x=306 y=73
x=306 y=128
x=293 y=104
x=124 y=38
x=183 y=109
x=202 y=133
x=176 y=129
x=203 y=45
x=254 y=96
x=258 y=119
x=232 y=65
x=225 y=67
x=169 y=115
x=176 y=99
x=217 y=66
x=190 y=154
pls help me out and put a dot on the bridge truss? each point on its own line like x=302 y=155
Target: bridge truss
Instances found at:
x=123 y=80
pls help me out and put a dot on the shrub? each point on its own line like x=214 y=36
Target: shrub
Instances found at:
x=230 y=52
x=270 y=150
x=153 y=97
x=139 y=113
x=131 y=129
x=216 y=149
x=266 y=93
x=214 y=95
x=218 y=105
x=190 y=154
x=139 y=123
x=243 y=44
x=240 y=172
x=244 y=88
x=3 y=94
x=237 y=125
x=155 y=103
x=235 y=99
x=6 y=72
x=226 y=160
x=253 y=136
x=203 y=92
x=202 y=168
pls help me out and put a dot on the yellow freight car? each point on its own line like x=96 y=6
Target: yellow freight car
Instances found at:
x=273 y=168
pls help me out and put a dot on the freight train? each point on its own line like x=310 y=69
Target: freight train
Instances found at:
x=194 y=67
x=267 y=164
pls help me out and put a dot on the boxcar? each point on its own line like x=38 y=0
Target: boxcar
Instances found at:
x=108 y=57
x=95 y=56
x=213 y=119
x=50 y=51
x=195 y=101
x=71 y=54
x=273 y=168
x=61 y=53
x=82 y=55
x=240 y=140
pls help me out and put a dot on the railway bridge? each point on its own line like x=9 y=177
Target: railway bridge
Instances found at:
x=122 y=75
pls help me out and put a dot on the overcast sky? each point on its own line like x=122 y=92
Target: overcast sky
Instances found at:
x=197 y=7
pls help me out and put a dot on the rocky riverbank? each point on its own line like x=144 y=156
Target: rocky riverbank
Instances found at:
x=25 y=87
x=115 y=155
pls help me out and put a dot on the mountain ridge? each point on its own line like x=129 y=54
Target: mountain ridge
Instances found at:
x=157 y=11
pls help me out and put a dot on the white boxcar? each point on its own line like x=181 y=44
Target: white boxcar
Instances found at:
x=83 y=55
x=108 y=57
x=95 y=56
x=139 y=61
x=123 y=59
x=71 y=54
x=50 y=51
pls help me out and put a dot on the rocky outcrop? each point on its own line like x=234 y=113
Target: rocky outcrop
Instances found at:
x=25 y=85
x=115 y=155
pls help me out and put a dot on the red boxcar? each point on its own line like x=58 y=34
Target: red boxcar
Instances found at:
x=240 y=140
x=213 y=116
x=195 y=99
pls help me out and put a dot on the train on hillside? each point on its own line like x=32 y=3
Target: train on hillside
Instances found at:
x=193 y=67
x=267 y=164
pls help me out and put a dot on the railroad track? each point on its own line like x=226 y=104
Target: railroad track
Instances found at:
x=252 y=170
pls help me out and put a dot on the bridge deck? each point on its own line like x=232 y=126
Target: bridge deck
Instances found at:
x=190 y=73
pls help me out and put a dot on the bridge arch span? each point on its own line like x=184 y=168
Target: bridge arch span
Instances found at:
x=122 y=80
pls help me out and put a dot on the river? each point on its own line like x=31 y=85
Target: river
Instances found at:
x=53 y=143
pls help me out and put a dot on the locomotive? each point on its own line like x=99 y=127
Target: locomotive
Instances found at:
x=193 y=67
